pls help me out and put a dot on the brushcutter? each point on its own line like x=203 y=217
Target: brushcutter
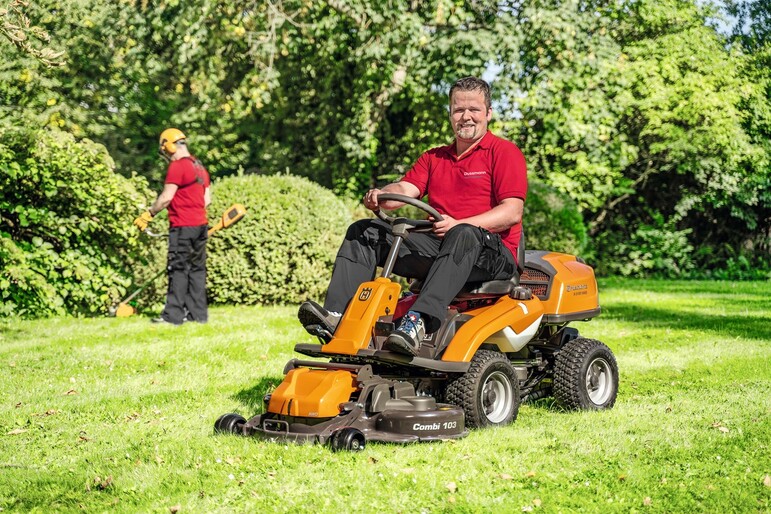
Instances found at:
x=231 y=216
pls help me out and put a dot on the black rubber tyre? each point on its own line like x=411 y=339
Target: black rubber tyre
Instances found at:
x=585 y=375
x=229 y=424
x=348 y=439
x=488 y=392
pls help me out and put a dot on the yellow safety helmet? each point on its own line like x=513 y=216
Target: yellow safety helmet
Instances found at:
x=168 y=142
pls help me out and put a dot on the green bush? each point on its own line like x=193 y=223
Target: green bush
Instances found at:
x=655 y=250
x=67 y=245
x=744 y=263
x=283 y=250
x=552 y=222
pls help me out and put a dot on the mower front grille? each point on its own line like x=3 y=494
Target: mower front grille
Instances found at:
x=537 y=281
x=531 y=274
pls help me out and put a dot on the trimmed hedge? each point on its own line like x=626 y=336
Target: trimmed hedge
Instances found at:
x=67 y=244
x=283 y=251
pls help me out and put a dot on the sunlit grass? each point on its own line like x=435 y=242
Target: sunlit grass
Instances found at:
x=117 y=414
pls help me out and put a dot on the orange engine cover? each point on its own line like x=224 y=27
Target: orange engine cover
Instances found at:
x=573 y=288
x=312 y=393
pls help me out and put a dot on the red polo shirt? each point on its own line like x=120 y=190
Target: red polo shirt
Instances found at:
x=492 y=171
x=187 y=208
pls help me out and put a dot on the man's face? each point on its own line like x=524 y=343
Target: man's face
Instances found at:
x=469 y=115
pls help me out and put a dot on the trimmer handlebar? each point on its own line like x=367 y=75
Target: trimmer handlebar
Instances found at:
x=230 y=217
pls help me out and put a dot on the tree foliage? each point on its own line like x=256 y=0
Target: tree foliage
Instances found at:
x=654 y=122
x=347 y=91
x=30 y=39
x=634 y=109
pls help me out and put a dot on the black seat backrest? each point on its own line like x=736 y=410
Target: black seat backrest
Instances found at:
x=521 y=253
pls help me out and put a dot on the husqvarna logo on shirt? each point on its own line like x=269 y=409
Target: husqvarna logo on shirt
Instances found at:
x=474 y=174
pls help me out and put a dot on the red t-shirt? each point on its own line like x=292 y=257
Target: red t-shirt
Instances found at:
x=492 y=171
x=187 y=208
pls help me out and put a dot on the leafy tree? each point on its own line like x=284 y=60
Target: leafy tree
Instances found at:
x=752 y=32
x=633 y=110
x=30 y=39
x=344 y=92
x=639 y=110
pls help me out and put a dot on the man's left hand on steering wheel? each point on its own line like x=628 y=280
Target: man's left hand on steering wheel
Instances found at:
x=442 y=227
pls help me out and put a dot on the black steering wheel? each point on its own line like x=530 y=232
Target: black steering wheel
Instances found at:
x=415 y=225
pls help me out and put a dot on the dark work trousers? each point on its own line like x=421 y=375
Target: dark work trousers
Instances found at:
x=187 y=275
x=465 y=254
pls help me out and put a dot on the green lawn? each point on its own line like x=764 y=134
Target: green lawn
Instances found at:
x=117 y=415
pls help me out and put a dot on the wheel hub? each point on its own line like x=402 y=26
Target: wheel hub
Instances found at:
x=598 y=381
x=496 y=396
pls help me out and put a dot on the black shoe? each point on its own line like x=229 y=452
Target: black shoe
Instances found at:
x=312 y=314
x=161 y=321
x=407 y=337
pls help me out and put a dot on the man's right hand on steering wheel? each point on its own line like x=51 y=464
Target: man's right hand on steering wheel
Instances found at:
x=370 y=199
x=373 y=202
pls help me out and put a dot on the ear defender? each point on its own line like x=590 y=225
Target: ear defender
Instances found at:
x=170 y=147
x=168 y=141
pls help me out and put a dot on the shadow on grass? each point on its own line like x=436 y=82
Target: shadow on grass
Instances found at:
x=548 y=404
x=749 y=327
x=253 y=396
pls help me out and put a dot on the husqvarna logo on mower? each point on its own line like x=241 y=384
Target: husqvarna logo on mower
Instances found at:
x=579 y=287
x=365 y=293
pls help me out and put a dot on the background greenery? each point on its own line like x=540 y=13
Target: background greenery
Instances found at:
x=64 y=238
x=117 y=415
x=653 y=117
x=646 y=126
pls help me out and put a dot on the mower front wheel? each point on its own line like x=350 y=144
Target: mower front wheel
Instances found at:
x=348 y=438
x=585 y=375
x=230 y=424
x=488 y=392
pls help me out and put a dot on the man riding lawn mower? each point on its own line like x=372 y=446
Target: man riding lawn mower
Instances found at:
x=501 y=342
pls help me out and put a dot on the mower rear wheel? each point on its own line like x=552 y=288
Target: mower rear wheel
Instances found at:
x=585 y=375
x=230 y=424
x=349 y=438
x=488 y=392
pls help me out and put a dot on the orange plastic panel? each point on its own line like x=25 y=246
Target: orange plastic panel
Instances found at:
x=312 y=393
x=506 y=312
x=372 y=300
x=573 y=289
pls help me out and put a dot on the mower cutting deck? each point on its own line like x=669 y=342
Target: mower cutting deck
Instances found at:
x=345 y=406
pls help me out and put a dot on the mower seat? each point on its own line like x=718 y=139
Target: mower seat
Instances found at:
x=491 y=287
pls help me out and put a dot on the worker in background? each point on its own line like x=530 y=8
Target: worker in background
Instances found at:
x=186 y=194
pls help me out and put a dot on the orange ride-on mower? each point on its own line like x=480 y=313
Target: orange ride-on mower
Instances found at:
x=501 y=342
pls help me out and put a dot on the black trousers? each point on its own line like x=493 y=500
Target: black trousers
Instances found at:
x=186 y=267
x=466 y=254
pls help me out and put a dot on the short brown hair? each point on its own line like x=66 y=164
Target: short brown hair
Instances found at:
x=472 y=84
